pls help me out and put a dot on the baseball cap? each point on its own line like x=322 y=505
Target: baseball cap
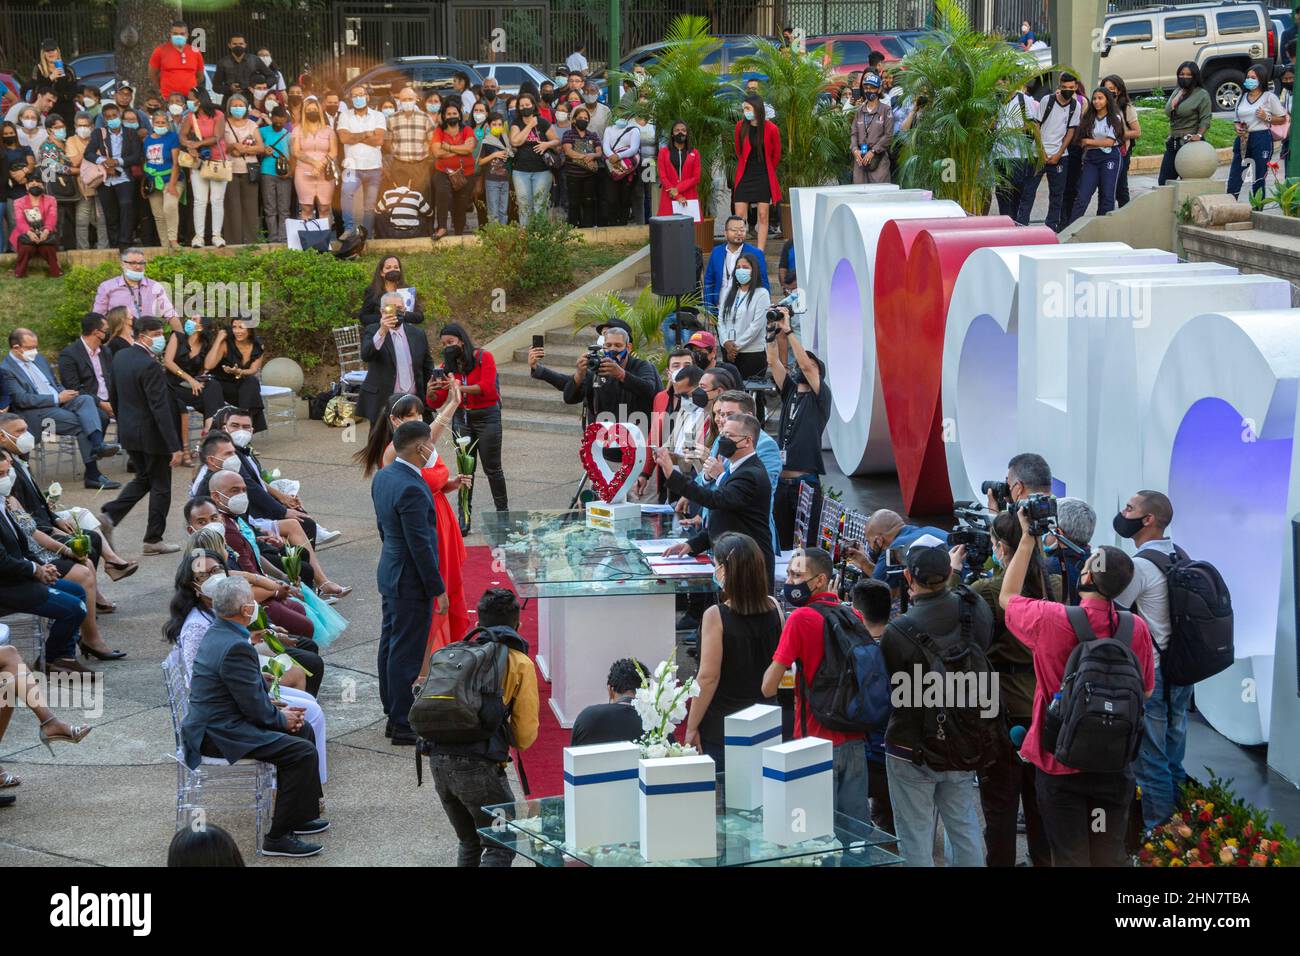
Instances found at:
x=614 y=324
x=704 y=340
x=928 y=564
x=125 y=85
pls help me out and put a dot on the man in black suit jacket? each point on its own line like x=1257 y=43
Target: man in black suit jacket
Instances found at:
x=146 y=428
x=741 y=498
x=34 y=587
x=77 y=364
x=397 y=359
x=408 y=578
x=117 y=150
x=232 y=716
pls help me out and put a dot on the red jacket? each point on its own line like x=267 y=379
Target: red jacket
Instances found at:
x=657 y=413
x=686 y=182
x=49 y=210
x=484 y=373
x=771 y=153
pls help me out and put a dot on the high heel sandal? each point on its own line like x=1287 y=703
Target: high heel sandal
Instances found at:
x=7 y=780
x=77 y=736
x=339 y=590
x=125 y=569
x=89 y=652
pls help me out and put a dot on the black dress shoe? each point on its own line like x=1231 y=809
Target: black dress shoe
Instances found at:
x=388 y=729
x=7 y=799
x=102 y=483
x=404 y=740
x=288 y=845
x=106 y=450
x=310 y=827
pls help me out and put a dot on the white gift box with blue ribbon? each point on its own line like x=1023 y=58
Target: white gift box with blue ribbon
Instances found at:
x=798 y=791
x=600 y=794
x=678 y=808
x=747 y=733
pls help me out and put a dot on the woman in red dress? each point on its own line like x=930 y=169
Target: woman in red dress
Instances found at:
x=378 y=453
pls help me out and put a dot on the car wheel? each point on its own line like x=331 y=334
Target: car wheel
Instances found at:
x=1225 y=89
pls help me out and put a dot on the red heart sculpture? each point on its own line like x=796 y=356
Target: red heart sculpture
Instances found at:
x=911 y=317
x=605 y=481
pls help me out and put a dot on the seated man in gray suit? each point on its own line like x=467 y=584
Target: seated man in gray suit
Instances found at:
x=231 y=715
x=36 y=394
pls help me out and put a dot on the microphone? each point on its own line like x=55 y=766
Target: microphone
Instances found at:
x=1018 y=733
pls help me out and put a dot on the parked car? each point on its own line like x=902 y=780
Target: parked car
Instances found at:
x=510 y=76
x=424 y=73
x=722 y=60
x=1223 y=39
x=1281 y=20
x=855 y=48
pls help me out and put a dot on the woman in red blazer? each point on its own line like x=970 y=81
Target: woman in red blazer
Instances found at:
x=679 y=170
x=35 y=229
x=758 y=152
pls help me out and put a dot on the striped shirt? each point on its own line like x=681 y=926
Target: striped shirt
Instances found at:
x=404 y=208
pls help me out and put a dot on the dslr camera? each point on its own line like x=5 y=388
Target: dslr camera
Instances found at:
x=775 y=316
x=973 y=531
x=1041 y=512
x=595 y=355
x=1000 y=491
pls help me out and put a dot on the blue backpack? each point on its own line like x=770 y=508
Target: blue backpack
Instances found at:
x=850 y=691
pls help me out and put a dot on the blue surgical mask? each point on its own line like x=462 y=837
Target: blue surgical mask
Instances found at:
x=433 y=107
x=193 y=105
x=130 y=125
x=158 y=344
x=617 y=356
x=742 y=275
x=191 y=326
x=135 y=275
x=60 y=134
x=114 y=123
x=997 y=560
x=716 y=583
x=359 y=102
x=1251 y=83
x=238 y=111
x=178 y=41
x=389 y=111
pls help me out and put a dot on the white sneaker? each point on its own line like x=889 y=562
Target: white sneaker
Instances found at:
x=218 y=242
x=325 y=536
x=198 y=242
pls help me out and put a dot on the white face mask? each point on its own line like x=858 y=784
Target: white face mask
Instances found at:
x=209 y=586
x=256 y=608
x=407 y=107
x=29 y=355
x=241 y=438
x=230 y=464
x=6 y=484
x=237 y=504
x=29 y=124
x=266 y=60
x=24 y=442
x=216 y=525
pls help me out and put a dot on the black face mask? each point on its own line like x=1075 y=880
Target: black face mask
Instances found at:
x=451 y=121
x=451 y=356
x=36 y=191
x=295 y=99
x=332 y=110
x=796 y=376
x=490 y=95
x=700 y=397
x=726 y=446
x=700 y=358
x=393 y=275
x=1064 y=95
x=10 y=138
x=1126 y=527
x=238 y=51
x=679 y=139
x=582 y=125
x=526 y=111
x=1185 y=82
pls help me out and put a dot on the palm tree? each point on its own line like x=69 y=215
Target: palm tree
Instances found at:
x=814 y=131
x=963 y=79
x=681 y=87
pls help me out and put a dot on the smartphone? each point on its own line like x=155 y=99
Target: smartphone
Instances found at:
x=58 y=65
x=539 y=341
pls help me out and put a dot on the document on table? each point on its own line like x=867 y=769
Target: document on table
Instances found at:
x=656 y=509
x=657 y=546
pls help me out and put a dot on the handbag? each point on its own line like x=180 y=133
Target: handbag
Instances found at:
x=1282 y=132
x=186 y=160
x=330 y=170
x=62 y=188
x=457 y=179
x=217 y=170
x=620 y=167
x=92 y=176
x=552 y=159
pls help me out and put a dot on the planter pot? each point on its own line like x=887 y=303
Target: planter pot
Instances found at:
x=704 y=235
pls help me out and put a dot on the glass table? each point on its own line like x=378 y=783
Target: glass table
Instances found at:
x=600 y=596
x=535 y=830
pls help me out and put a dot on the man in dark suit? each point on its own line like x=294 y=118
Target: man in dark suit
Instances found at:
x=409 y=582
x=397 y=359
x=232 y=716
x=117 y=149
x=37 y=395
x=34 y=587
x=741 y=497
x=83 y=367
x=146 y=426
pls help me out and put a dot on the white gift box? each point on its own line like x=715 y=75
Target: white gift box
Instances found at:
x=798 y=791
x=600 y=802
x=747 y=733
x=678 y=808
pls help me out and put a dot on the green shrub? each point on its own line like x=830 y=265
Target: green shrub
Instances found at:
x=543 y=254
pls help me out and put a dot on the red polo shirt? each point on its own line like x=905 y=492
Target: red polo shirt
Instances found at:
x=1043 y=628
x=803 y=640
x=180 y=69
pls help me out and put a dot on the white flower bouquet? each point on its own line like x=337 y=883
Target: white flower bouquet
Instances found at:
x=661 y=702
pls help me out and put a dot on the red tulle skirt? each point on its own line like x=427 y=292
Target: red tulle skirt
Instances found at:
x=454 y=625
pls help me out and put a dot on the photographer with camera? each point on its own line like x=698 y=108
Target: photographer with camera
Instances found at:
x=1067 y=548
x=1008 y=781
x=805 y=409
x=1065 y=638
x=887 y=531
x=608 y=379
x=1027 y=474
x=945 y=633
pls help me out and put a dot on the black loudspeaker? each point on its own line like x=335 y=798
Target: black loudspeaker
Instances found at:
x=672 y=255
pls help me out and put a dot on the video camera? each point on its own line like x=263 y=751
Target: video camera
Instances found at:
x=595 y=355
x=973 y=531
x=1041 y=512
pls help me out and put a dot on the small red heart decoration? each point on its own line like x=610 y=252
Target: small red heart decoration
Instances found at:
x=605 y=481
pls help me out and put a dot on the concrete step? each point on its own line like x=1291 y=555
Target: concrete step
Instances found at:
x=562 y=357
x=558 y=423
x=545 y=399
x=570 y=337
x=516 y=375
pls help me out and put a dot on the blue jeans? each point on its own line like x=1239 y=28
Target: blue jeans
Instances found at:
x=1056 y=177
x=915 y=793
x=1259 y=150
x=850 y=772
x=496 y=194
x=1100 y=173
x=1164 y=744
x=673 y=338
x=66 y=608
x=532 y=192
x=366 y=180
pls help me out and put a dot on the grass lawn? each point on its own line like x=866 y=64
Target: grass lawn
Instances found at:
x=1155 y=130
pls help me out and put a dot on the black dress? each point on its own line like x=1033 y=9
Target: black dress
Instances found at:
x=748 y=643
x=192 y=365
x=753 y=186
x=246 y=392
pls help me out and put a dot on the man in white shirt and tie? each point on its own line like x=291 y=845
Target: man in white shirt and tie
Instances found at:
x=45 y=405
x=397 y=359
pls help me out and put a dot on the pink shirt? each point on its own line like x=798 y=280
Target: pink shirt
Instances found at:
x=102 y=391
x=146 y=297
x=401 y=358
x=1043 y=628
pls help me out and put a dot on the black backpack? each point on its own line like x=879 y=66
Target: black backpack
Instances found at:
x=953 y=737
x=850 y=692
x=1095 y=724
x=461 y=699
x=1200 y=618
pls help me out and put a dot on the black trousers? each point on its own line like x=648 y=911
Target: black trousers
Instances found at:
x=882 y=810
x=1168 y=170
x=1073 y=172
x=307 y=653
x=297 y=778
x=582 y=200
x=1002 y=788
x=786 y=503
x=1121 y=184
x=1086 y=816
x=403 y=636
x=119 y=212
x=455 y=201
x=484 y=425
x=153 y=477
x=465 y=785
x=616 y=199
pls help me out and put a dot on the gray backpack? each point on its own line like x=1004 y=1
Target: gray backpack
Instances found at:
x=461 y=700
x=1095 y=722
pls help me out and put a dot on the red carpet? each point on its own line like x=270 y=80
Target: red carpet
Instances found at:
x=544 y=760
